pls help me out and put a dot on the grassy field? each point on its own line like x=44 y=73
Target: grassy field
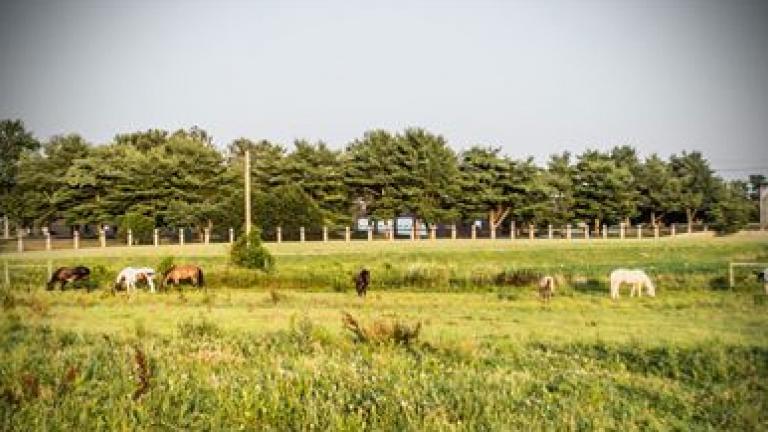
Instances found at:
x=269 y=352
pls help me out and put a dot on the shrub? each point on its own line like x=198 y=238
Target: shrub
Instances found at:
x=248 y=252
x=165 y=264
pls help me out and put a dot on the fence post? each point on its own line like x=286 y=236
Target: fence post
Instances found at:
x=231 y=235
x=512 y=230
x=181 y=236
x=731 y=281
x=453 y=231
x=102 y=237
x=325 y=234
x=549 y=232
x=207 y=235
x=47 y=235
x=279 y=234
x=7 y=274
x=20 y=240
x=76 y=239
x=655 y=231
x=301 y=234
x=391 y=230
x=493 y=232
x=433 y=232
x=706 y=228
x=639 y=231
x=6 y=228
x=130 y=237
x=413 y=231
x=156 y=237
x=586 y=231
x=474 y=232
x=531 y=231
x=605 y=231
x=621 y=230
x=347 y=236
x=370 y=233
x=568 y=232
x=672 y=231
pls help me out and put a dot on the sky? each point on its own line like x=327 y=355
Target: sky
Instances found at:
x=532 y=77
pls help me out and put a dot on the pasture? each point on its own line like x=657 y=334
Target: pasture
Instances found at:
x=269 y=352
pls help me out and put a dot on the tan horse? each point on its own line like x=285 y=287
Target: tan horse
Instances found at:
x=179 y=273
x=546 y=288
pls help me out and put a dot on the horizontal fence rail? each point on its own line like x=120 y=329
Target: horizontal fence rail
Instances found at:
x=26 y=240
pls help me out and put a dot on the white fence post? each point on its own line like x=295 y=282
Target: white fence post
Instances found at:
x=656 y=231
x=512 y=230
x=156 y=237
x=673 y=231
x=531 y=231
x=453 y=231
x=102 y=237
x=130 y=237
x=301 y=234
x=20 y=240
x=6 y=228
x=621 y=230
x=279 y=234
x=347 y=235
x=207 y=235
x=474 y=232
x=325 y=234
x=493 y=232
x=370 y=233
x=586 y=231
x=181 y=236
x=639 y=231
x=47 y=235
x=568 y=232
x=231 y=235
x=433 y=232
x=549 y=232
x=76 y=240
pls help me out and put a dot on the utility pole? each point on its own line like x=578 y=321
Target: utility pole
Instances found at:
x=247 y=191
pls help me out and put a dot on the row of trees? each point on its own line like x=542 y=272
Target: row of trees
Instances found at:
x=180 y=179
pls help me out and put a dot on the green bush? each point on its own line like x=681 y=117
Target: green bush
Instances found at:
x=248 y=252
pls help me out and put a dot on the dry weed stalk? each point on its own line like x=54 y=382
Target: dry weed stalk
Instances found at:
x=142 y=373
x=381 y=331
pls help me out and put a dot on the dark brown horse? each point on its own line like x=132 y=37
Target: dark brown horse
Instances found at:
x=362 y=280
x=179 y=273
x=63 y=275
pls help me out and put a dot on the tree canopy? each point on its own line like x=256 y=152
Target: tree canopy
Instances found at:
x=181 y=179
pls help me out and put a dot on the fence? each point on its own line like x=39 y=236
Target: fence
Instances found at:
x=29 y=240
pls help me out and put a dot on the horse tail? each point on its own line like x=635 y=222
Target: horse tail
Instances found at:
x=200 y=276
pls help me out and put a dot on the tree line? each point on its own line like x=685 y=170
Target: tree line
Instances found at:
x=152 y=178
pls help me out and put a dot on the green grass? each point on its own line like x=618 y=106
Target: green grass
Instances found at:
x=488 y=357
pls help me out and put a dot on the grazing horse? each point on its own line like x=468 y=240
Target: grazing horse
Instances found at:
x=546 y=288
x=178 y=273
x=362 y=280
x=637 y=278
x=63 y=275
x=129 y=276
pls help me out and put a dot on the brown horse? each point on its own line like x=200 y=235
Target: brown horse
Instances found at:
x=63 y=275
x=362 y=280
x=179 y=273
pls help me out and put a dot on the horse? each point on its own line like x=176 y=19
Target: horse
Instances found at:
x=63 y=275
x=187 y=272
x=637 y=278
x=129 y=276
x=362 y=280
x=546 y=288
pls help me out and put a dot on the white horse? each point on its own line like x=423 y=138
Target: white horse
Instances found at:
x=637 y=278
x=129 y=276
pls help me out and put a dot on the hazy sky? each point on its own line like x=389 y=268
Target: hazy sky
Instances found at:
x=534 y=77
